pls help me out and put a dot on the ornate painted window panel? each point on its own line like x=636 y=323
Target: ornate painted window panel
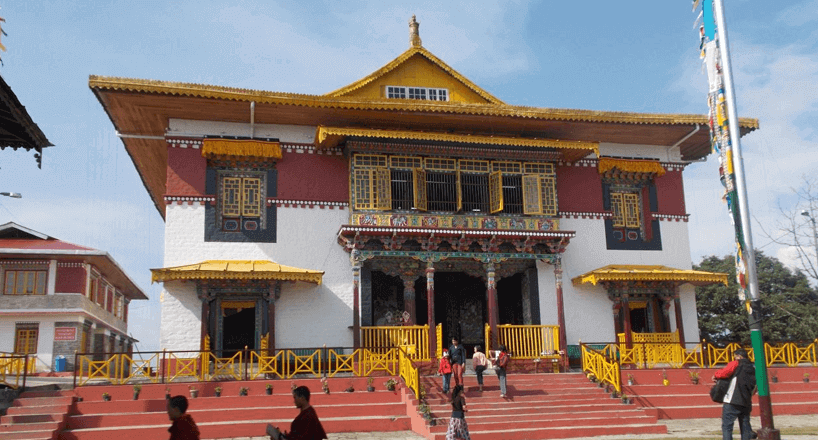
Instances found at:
x=241 y=212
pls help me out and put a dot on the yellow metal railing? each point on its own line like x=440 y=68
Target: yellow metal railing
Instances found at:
x=265 y=364
x=230 y=367
x=439 y=336
x=530 y=341
x=416 y=336
x=409 y=373
x=604 y=369
x=14 y=366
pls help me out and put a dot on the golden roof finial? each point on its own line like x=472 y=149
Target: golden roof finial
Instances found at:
x=414 y=36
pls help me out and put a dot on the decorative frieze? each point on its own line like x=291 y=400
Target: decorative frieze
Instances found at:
x=592 y=215
x=672 y=217
x=454 y=221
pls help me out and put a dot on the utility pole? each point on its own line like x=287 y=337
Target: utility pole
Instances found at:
x=814 y=234
x=722 y=96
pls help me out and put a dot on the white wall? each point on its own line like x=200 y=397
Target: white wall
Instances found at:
x=306 y=315
x=588 y=311
x=45 y=335
x=284 y=133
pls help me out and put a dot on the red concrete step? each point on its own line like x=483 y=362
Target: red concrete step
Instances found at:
x=234 y=413
x=49 y=409
x=245 y=428
x=52 y=426
x=603 y=428
x=525 y=415
x=42 y=401
x=632 y=416
x=31 y=418
x=27 y=435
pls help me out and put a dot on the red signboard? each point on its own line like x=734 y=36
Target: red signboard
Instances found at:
x=65 y=334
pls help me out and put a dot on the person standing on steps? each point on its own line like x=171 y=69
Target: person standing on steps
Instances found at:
x=458 y=354
x=739 y=398
x=458 y=429
x=480 y=363
x=500 y=365
x=183 y=427
x=445 y=370
x=306 y=425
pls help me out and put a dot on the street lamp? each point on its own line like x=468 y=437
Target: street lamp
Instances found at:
x=12 y=195
x=806 y=214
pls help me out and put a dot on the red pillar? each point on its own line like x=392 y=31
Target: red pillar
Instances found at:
x=494 y=312
x=626 y=309
x=275 y=292
x=561 y=313
x=205 y=320
x=430 y=308
x=356 y=309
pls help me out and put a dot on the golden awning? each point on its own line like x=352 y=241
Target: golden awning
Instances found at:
x=630 y=166
x=236 y=270
x=240 y=148
x=635 y=272
x=327 y=137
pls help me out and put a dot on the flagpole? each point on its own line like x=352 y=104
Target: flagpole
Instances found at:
x=767 y=431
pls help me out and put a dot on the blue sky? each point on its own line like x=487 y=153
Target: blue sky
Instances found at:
x=639 y=56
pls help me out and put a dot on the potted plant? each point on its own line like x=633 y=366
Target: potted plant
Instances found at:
x=136 y=390
x=351 y=388
x=369 y=381
x=218 y=391
x=625 y=399
x=591 y=377
x=665 y=382
x=390 y=384
x=774 y=376
x=694 y=377
x=243 y=391
x=325 y=384
x=269 y=389
x=631 y=380
x=806 y=377
x=293 y=386
x=167 y=393
x=106 y=397
x=194 y=392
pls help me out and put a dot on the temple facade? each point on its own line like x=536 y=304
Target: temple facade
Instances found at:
x=410 y=197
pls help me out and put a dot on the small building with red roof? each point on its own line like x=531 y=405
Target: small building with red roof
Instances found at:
x=59 y=298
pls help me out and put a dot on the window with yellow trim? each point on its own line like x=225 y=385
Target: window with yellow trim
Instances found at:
x=25 y=340
x=241 y=198
x=25 y=282
x=625 y=209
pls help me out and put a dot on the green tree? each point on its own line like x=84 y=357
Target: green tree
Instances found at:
x=789 y=306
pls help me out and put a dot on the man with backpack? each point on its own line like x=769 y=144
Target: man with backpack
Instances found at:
x=739 y=398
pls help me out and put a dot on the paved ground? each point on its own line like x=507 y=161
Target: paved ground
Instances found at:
x=692 y=428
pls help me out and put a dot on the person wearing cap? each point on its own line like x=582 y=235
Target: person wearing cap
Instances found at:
x=445 y=370
x=738 y=401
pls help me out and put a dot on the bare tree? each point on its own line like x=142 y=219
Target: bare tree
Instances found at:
x=796 y=228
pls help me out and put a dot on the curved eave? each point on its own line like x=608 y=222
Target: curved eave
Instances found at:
x=650 y=274
x=100 y=83
x=236 y=270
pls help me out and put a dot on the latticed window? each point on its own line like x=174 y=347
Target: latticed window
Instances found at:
x=625 y=208
x=424 y=93
x=26 y=339
x=25 y=282
x=241 y=196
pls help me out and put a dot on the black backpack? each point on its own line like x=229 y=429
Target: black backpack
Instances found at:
x=719 y=390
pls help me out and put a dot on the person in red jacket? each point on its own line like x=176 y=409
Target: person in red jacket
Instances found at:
x=739 y=398
x=183 y=427
x=306 y=425
x=445 y=370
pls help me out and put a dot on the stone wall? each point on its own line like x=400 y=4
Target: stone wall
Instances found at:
x=68 y=348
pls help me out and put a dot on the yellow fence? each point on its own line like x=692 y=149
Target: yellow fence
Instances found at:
x=409 y=373
x=12 y=368
x=604 y=368
x=414 y=339
x=530 y=341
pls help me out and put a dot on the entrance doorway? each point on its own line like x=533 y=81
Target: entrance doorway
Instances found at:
x=460 y=305
x=238 y=329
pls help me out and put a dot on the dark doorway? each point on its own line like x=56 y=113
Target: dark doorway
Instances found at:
x=510 y=300
x=460 y=305
x=238 y=330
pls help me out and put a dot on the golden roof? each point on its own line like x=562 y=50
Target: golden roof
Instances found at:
x=236 y=270
x=636 y=272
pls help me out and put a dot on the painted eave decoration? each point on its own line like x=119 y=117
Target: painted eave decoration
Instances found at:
x=19 y=130
x=214 y=148
x=616 y=273
x=328 y=137
x=236 y=270
x=651 y=167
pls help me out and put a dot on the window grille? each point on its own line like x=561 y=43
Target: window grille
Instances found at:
x=441 y=191
x=438 y=164
x=406 y=162
x=475 y=192
x=369 y=161
x=26 y=340
x=474 y=166
x=231 y=196
x=495 y=192
x=625 y=207
x=539 y=168
x=403 y=183
x=251 y=200
x=25 y=282
x=422 y=93
x=512 y=194
x=507 y=167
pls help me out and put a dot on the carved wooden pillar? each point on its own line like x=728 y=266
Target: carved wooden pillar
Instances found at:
x=356 y=309
x=430 y=308
x=627 y=310
x=561 y=311
x=205 y=296
x=491 y=294
x=617 y=308
x=677 y=306
x=409 y=297
x=275 y=293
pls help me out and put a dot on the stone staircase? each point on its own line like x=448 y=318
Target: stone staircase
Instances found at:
x=681 y=399
x=36 y=416
x=538 y=406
